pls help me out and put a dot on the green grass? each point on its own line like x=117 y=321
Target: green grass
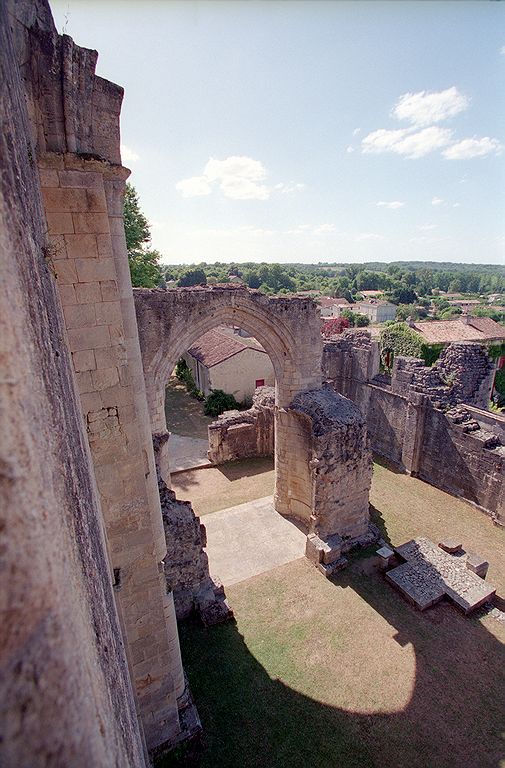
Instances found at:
x=345 y=673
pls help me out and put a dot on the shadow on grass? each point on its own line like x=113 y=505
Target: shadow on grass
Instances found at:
x=234 y=470
x=387 y=464
x=378 y=520
x=453 y=719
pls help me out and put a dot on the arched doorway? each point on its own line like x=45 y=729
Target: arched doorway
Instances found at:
x=288 y=329
x=322 y=457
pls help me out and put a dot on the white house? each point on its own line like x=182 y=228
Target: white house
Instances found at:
x=377 y=311
x=237 y=365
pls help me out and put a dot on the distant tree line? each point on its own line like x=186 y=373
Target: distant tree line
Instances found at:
x=412 y=286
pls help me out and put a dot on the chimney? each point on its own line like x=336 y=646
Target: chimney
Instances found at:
x=466 y=317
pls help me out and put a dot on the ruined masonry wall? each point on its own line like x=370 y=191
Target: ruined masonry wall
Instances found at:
x=244 y=434
x=65 y=692
x=340 y=464
x=74 y=118
x=409 y=417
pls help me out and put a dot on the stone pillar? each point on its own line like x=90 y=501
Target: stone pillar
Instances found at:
x=293 y=482
x=83 y=204
x=414 y=428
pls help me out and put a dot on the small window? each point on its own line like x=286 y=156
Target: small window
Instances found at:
x=260 y=383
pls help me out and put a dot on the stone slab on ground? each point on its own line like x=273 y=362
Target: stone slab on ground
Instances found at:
x=249 y=539
x=429 y=574
x=187 y=453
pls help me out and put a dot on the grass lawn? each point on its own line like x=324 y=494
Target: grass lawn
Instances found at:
x=345 y=672
x=184 y=414
x=215 y=488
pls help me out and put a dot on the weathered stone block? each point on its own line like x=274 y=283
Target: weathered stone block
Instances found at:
x=477 y=564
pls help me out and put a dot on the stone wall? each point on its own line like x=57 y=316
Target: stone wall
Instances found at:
x=244 y=434
x=65 y=691
x=413 y=418
x=463 y=458
x=73 y=141
x=340 y=462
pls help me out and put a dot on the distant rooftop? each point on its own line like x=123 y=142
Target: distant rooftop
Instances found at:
x=216 y=346
x=329 y=301
x=461 y=329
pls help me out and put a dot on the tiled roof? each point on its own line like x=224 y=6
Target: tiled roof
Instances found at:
x=214 y=347
x=328 y=301
x=445 y=331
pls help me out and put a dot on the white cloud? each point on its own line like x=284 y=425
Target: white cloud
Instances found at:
x=324 y=229
x=407 y=141
x=427 y=227
x=393 y=205
x=427 y=107
x=287 y=189
x=356 y=131
x=368 y=236
x=238 y=177
x=437 y=201
x=349 y=150
x=456 y=205
x=468 y=148
x=196 y=186
x=502 y=50
x=128 y=155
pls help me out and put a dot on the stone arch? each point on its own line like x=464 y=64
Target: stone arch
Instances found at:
x=170 y=321
x=317 y=479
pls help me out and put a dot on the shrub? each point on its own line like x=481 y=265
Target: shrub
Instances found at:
x=218 y=402
x=334 y=326
x=399 y=339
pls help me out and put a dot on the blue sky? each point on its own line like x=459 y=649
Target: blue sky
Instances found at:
x=309 y=131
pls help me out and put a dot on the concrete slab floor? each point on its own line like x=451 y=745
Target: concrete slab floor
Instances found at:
x=249 y=539
x=187 y=452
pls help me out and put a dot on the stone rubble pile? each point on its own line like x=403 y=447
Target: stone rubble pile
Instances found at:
x=186 y=564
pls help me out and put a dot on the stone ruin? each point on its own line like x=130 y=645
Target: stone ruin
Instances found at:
x=462 y=374
x=244 y=434
x=431 y=422
x=98 y=552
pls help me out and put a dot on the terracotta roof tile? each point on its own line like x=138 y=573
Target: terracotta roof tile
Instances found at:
x=445 y=331
x=214 y=347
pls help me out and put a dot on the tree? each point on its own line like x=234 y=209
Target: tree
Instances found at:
x=192 y=277
x=398 y=339
x=144 y=264
x=361 y=321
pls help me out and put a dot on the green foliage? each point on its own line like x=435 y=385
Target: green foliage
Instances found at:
x=144 y=264
x=431 y=352
x=218 y=402
x=185 y=376
x=361 y=321
x=414 y=311
x=494 y=314
x=192 y=277
x=499 y=382
x=402 y=293
x=496 y=350
x=402 y=282
x=399 y=339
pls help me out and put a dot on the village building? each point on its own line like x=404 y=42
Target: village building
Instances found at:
x=332 y=307
x=463 y=328
x=238 y=365
x=377 y=311
x=465 y=304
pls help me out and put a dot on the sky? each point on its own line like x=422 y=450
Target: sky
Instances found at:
x=306 y=131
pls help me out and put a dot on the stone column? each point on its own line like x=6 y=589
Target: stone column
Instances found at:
x=414 y=428
x=83 y=204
